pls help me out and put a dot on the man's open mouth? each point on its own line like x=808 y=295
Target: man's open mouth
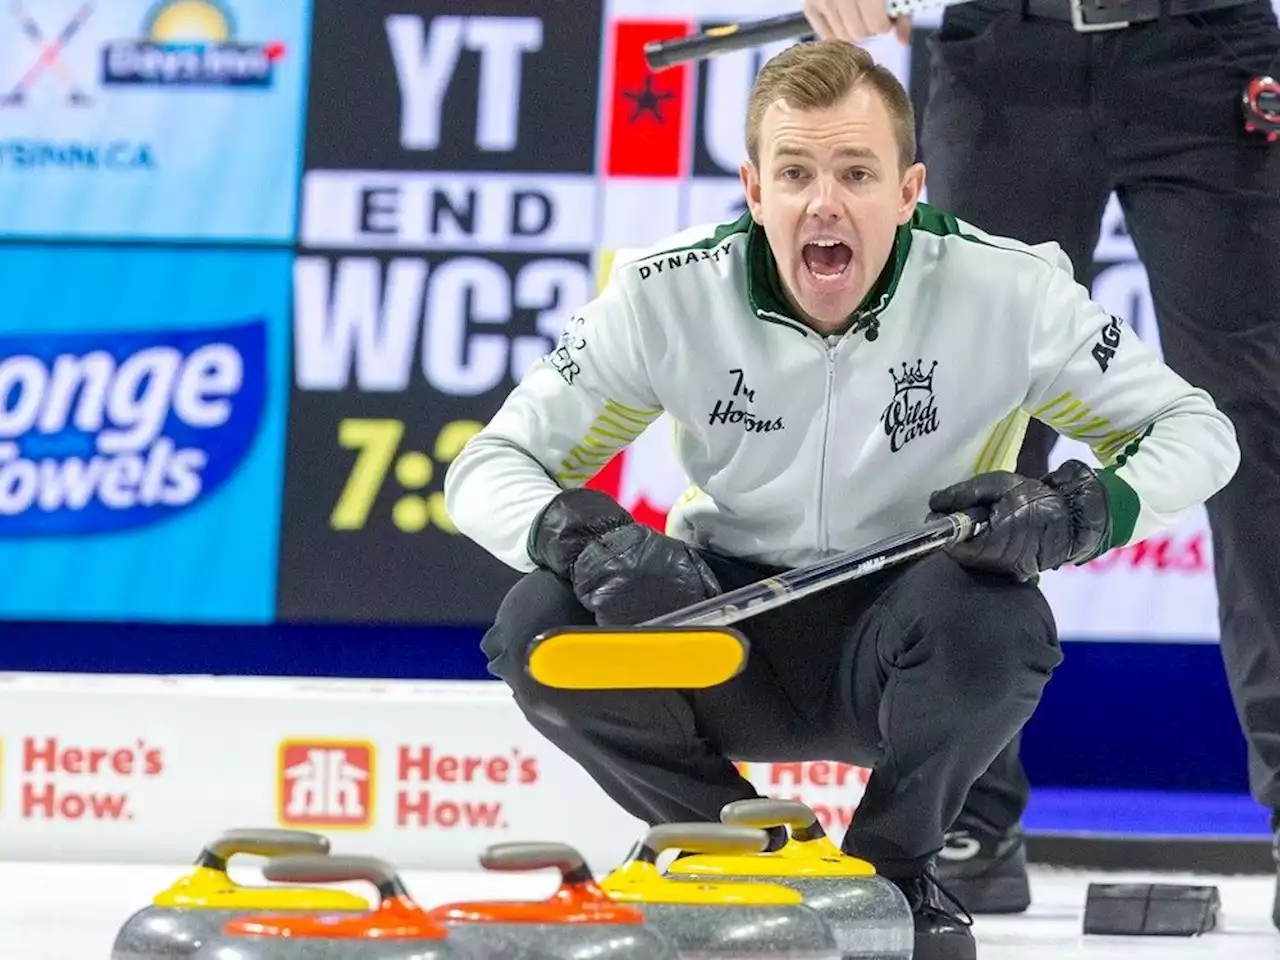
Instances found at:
x=827 y=259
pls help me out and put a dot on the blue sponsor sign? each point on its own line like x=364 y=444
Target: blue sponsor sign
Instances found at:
x=143 y=403
x=102 y=432
x=154 y=119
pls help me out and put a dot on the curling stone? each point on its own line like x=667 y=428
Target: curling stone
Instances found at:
x=868 y=915
x=194 y=908
x=578 y=920
x=718 y=920
x=397 y=929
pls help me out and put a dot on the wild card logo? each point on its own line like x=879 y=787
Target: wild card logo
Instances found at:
x=727 y=411
x=911 y=413
x=571 y=341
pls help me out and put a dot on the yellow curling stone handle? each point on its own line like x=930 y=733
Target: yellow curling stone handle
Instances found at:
x=808 y=851
x=209 y=887
x=638 y=879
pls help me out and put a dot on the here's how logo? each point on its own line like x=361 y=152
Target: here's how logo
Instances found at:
x=101 y=432
x=71 y=781
x=326 y=783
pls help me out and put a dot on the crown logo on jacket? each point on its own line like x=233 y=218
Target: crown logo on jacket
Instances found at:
x=913 y=378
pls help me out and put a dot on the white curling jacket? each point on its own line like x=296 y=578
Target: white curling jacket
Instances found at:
x=799 y=445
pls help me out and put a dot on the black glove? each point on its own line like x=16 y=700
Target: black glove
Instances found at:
x=620 y=570
x=1034 y=525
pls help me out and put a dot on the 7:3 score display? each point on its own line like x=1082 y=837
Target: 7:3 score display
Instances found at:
x=379 y=460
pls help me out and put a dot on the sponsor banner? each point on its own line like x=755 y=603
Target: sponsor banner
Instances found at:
x=447 y=233
x=156 y=119
x=78 y=782
x=424 y=774
x=142 y=414
x=119 y=768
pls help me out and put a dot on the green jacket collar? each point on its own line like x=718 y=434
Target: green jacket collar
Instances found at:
x=764 y=286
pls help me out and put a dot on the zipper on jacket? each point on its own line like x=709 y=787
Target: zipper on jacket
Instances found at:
x=824 y=535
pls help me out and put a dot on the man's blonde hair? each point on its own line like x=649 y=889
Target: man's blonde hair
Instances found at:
x=815 y=75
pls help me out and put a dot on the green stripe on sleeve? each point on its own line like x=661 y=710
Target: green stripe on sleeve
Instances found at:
x=1122 y=499
x=1124 y=504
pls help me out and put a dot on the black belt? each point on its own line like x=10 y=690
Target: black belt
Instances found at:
x=1088 y=16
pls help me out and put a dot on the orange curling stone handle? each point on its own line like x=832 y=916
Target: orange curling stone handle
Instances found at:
x=262 y=843
x=765 y=812
x=536 y=856
x=578 y=899
x=397 y=917
x=337 y=869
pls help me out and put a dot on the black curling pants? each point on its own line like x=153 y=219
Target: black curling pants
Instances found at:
x=922 y=672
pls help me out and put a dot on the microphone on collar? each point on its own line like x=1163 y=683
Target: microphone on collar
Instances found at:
x=871 y=323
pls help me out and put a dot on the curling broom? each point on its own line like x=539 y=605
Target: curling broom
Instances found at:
x=660 y=54
x=695 y=646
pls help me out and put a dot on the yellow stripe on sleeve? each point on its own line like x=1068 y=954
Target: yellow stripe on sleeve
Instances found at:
x=613 y=428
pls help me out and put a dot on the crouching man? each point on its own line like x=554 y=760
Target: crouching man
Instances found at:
x=840 y=363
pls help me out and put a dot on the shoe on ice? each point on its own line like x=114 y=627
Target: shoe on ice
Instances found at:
x=986 y=870
x=941 y=921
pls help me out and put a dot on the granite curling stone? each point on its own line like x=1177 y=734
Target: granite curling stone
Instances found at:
x=396 y=929
x=195 y=907
x=579 y=920
x=868 y=915
x=719 y=920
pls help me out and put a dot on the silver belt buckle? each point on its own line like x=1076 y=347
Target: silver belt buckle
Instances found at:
x=1078 y=21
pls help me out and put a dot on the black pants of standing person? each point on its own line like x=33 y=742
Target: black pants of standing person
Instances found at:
x=1029 y=127
x=922 y=672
